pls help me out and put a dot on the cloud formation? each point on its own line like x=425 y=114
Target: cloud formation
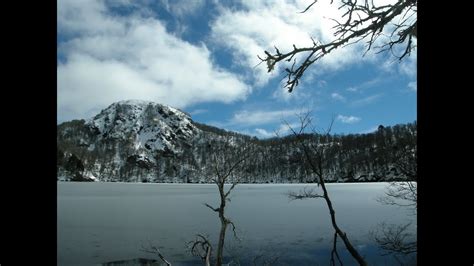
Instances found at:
x=365 y=101
x=282 y=130
x=348 y=119
x=338 y=97
x=111 y=57
x=370 y=130
x=262 y=133
x=183 y=7
x=261 y=117
x=261 y=25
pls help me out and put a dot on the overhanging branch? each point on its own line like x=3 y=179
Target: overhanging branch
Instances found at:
x=362 y=22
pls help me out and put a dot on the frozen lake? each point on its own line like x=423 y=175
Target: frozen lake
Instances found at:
x=103 y=222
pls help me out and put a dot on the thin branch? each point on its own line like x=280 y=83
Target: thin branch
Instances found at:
x=362 y=22
x=230 y=189
x=232 y=168
x=304 y=194
x=201 y=247
x=233 y=229
x=308 y=7
x=212 y=208
x=154 y=250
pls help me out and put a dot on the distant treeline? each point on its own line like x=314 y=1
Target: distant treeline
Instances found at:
x=386 y=154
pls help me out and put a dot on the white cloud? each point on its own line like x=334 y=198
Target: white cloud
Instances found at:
x=322 y=83
x=261 y=117
x=282 y=130
x=412 y=85
x=338 y=97
x=364 y=85
x=348 y=119
x=406 y=67
x=286 y=128
x=85 y=17
x=302 y=94
x=114 y=58
x=365 y=101
x=199 y=111
x=262 y=133
x=183 y=7
x=264 y=24
x=370 y=130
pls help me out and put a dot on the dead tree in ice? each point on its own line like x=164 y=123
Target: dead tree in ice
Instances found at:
x=315 y=155
x=226 y=161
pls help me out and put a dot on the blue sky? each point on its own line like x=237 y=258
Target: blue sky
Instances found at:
x=201 y=56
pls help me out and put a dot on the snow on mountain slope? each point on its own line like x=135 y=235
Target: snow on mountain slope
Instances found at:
x=148 y=125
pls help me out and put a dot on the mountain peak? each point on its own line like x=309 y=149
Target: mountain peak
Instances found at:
x=149 y=125
x=141 y=104
x=135 y=102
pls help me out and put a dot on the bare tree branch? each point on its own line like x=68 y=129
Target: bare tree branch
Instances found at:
x=233 y=166
x=233 y=229
x=201 y=247
x=154 y=250
x=212 y=208
x=308 y=7
x=362 y=22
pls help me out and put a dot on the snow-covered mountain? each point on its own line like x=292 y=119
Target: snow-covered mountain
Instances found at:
x=149 y=126
x=141 y=141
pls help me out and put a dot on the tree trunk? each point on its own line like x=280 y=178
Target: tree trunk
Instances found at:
x=208 y=256
x=318 y=169
x=341 y=234
x=220 y=246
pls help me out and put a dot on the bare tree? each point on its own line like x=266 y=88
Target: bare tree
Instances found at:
x=363 y=21
x=202 y=248
x=315 y=155
x=228 y=158
x=224 y=166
